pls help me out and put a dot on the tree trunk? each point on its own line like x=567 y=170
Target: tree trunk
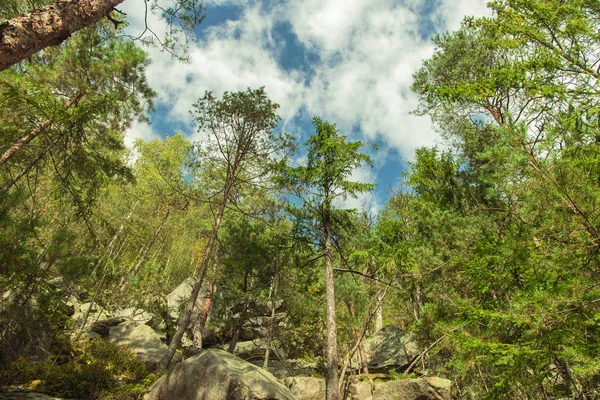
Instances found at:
x=418 y=298
x=23 y=36
x=273 y=295
x=361 y=349
x=332 y=389
x=184 y=318
x=32 y=134
x=379 y=316
x=240 y=324
x=149 y=246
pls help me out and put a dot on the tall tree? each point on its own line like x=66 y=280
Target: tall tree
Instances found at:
x=331 y=159
x=238 y=149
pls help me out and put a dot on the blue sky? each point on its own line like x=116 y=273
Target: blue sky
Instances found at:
x=349 y=62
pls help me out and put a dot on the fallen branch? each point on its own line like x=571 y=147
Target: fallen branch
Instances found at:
x=416 y=360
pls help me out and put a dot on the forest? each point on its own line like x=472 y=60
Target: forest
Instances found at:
x=488 y=253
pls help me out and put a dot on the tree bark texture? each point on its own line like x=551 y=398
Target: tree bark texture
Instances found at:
x=23 y=36
x=333 y=391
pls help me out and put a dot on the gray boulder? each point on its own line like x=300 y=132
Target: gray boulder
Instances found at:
x=255 y=349
x=391 y=347
x=96 y=314
x=142 y=340
x=137 y=314
x=358 y=390
x=413 y=389
x=306 y=388
x=217 y=375
x=178 y=298
x=288 y=368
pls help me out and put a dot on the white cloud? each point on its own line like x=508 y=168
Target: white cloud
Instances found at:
x=367 y=50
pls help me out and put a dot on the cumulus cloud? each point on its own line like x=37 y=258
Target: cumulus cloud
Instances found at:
x=365 y=52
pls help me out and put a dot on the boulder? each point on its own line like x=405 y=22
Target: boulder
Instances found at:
x=413 y=389
x=258 y=327
x=306 y=388
x=288 y=368
x=137 y=314
x=358 y=390
x=96 y=314
x=217 y=375
x=255 y=349
x=102 y=327
x=142 y=340
x=178 y=298
x=391 y=347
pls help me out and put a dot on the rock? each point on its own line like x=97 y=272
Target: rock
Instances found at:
x=25 y=332
x=288 y=368
x=255 y=349
x=103 y=326
x=142 y=340
x=306 y=388
x=359 y=390
x=72 y=305
x=178 y=298
x=413 y=389
x=97 y=313
x=154 y=321
x=391 y=347
x=258 y=327
x=217 y=375
x=443 y=386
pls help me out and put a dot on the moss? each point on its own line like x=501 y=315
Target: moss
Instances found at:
x=97 y=369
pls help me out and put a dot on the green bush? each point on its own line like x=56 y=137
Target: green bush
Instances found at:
x=99 y=369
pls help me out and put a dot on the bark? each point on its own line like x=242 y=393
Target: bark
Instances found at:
x=23 y=36
x=333 y=390
x=184 y=318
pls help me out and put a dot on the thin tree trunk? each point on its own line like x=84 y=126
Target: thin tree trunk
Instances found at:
x=418 y=299
x=272 y=292
x=32 y=134
x=361 y=349
x=332 y=386
x=50 y=25
x=240 y=324
x=362 y=335
x=379 y=315
x=149 y=246
x=184 y=318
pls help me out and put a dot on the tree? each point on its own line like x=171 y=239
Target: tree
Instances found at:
x=508 y=222
x=319 y=184
x=52 y=24
x=239 y=150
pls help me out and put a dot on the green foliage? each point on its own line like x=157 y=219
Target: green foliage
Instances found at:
x=99 y=369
